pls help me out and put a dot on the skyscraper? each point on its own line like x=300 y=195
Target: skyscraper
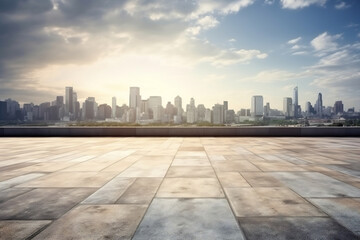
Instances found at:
x=257 y=106
x=135 y=98
x=69 y=106
x=178 y=105
x=319 y=105
x=296 y=103
x=218 y=114
x=191 y=113
x=338 y=107
x=287 y=107
x=226 y=107
x=113 y=108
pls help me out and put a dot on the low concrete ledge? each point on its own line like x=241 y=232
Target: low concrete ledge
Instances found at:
x=180 y=132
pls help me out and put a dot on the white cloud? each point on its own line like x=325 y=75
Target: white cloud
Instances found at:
x=271 y=76
x=208 y=22
x=295 y=47
x=300 y=53
x=295 y=4
x=230 y=56
x=341 y=5
x=325 y=42
x=269 y=2
x=294 y=41
x=232 y=40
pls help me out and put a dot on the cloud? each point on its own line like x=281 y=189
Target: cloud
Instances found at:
x=232 y=40
x=341 y=5
x=325 y=42
x=194 y=51
x=208 y=22
x=338 y=72
x=272 y=76
x=269 y=2
x=40 y=34
x=296 y=4
x=299 y=53
x=294 y=41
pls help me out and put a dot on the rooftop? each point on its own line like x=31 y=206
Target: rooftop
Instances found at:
x=179 y=188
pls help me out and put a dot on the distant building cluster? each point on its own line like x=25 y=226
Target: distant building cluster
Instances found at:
x=68 y=108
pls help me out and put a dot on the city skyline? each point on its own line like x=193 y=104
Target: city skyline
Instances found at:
x=151 y=110
x=210 y=50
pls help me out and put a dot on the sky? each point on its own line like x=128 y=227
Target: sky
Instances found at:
x=210 y=50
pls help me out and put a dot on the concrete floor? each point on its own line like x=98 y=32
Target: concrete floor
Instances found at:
x=179 y=188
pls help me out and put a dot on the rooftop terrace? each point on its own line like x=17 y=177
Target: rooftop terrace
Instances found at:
x=180 y=188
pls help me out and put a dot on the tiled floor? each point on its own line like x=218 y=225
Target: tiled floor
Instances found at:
x=179 y=188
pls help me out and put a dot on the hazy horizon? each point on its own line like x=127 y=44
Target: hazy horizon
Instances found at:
x=209 y=50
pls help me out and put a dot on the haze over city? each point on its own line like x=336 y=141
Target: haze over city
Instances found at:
x=210 y=50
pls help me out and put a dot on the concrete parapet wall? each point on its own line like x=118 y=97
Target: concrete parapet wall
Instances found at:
x=179 y=132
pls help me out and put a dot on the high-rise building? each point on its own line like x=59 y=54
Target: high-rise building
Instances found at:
x=178 y=105
x=3 y=110
x=308 y=109
x=226 y=107
x=59 y=101
x=104 y=111
x=218 y=114
x=89 y=110
x=191 y=112
x=69 y=106
x=338 y=107
x=267 y=110
x=153 y=102
x=257 y=106
x=296 y=103
x=319 y=105
x=201 y=112
x=287 y=107
x=135 y=98
x=208 y=116
x=113 y=108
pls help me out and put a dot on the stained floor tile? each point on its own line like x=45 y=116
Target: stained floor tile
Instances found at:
x=188 y=219
x=187 y=188
x=96 y=222
x=314 y=228
x=190 y=188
